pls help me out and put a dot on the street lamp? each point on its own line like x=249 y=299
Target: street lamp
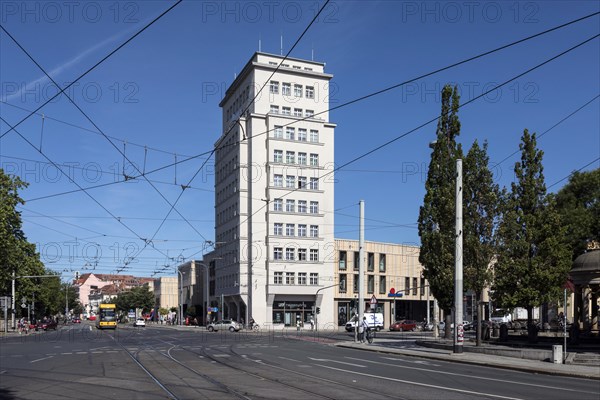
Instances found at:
x=180 y=295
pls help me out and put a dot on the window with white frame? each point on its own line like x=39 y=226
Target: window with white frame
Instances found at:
x=301 y=204
x=274 y=109
x=301 y=254
x=278 y=229
x=302 y=136
x=290 y=157
x=290 y=205
x=278 y=180
x=302 y=230
x=314 y=254
x=277 y=156
x=297 y=112
x=290 y=181
x=278 y=132
x=278 y=278
x=301 y=278
x=278 y=253
x=314 y=207
x=298 y=90
x=290 y=132
x=290 y=229
x=301 y=158
x=314 y=278
x=314 y=159
x=314 y=231
x=274 y=87
x=289 y=253
x=286 y=110
x=314 y=184
x=289 y=278
x=286 y=89
x=314 y=136
x=278 y=205
x=309 y=113
x=310 y=92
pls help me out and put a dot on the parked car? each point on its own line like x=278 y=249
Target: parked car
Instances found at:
x=45 y=325
x=76 y=320
x=228 y=324
x=404 y=325
x=140 y=322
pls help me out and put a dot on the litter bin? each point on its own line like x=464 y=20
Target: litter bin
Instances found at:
x=503 y=332
x=557 y=354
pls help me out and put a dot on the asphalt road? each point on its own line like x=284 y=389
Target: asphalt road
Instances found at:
x=80 y=362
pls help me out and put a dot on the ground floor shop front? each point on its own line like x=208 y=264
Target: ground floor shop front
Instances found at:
x=392 y=310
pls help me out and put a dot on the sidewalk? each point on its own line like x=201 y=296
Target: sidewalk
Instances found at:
x=486 y=355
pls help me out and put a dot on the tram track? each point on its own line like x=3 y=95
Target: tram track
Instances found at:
x=340 y=387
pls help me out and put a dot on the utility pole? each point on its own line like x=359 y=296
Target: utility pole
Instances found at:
x=13 y=311
x=361 y=264
x=458 y=265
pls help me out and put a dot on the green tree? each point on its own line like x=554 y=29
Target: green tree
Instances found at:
x=138 y=297
x=481 y=198
x=578 y=203
x=533 y=260
x=437 y=214
x=17 y=255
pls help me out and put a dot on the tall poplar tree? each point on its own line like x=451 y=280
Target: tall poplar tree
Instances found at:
x=437 y=214
x=533 y=259
x=481 y=198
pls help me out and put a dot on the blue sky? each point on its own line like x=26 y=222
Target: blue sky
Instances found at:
x=157 y=99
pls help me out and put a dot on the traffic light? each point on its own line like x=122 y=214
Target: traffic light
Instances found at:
x=318 y=310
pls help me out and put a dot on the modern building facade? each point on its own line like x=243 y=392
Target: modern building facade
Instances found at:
x=393 y=275
x=274 y=195
x=166 y=292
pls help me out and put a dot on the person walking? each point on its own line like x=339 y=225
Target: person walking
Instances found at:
x=312 y=323
x=364 y=326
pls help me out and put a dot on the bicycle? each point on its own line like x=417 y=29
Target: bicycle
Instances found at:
x=370 y=335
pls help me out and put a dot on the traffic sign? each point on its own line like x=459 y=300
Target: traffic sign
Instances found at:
x=373 y=300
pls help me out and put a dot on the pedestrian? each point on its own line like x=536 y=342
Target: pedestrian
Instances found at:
x=312 y=323
x=362 y=329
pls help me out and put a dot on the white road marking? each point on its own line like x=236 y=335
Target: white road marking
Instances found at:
x=40 y=359
x=470 y=376
x=221 y=355
x=81 y=352
x=289 y=359
x=65 y=353
x=335 y=361
x=412 y=361
x=422 y=384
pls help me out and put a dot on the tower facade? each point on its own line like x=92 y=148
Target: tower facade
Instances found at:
x=274 y=195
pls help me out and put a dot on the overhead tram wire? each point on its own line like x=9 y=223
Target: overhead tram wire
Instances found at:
x=210 y=152
x=572 y=173
x=395 y=86
x=61 y=91
x=389 y=142
x=107 y=138
x=552 y=127
x=450 y=66
x=46 y=116
x=77 y=184
x=222 y=138
x=123 y=181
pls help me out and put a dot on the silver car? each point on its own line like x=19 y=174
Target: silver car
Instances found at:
x=224 y=324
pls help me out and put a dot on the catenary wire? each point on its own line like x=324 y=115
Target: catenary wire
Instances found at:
x=46 y=116
x=12 y=127
x=399 y=84
x=572 y=173
x=109 y=140
x=393 y=140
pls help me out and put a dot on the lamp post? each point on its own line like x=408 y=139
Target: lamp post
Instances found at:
x=206 y=299
x=180 y=296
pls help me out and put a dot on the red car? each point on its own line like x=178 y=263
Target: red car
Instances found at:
x=50 y=324
x=404 y=325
